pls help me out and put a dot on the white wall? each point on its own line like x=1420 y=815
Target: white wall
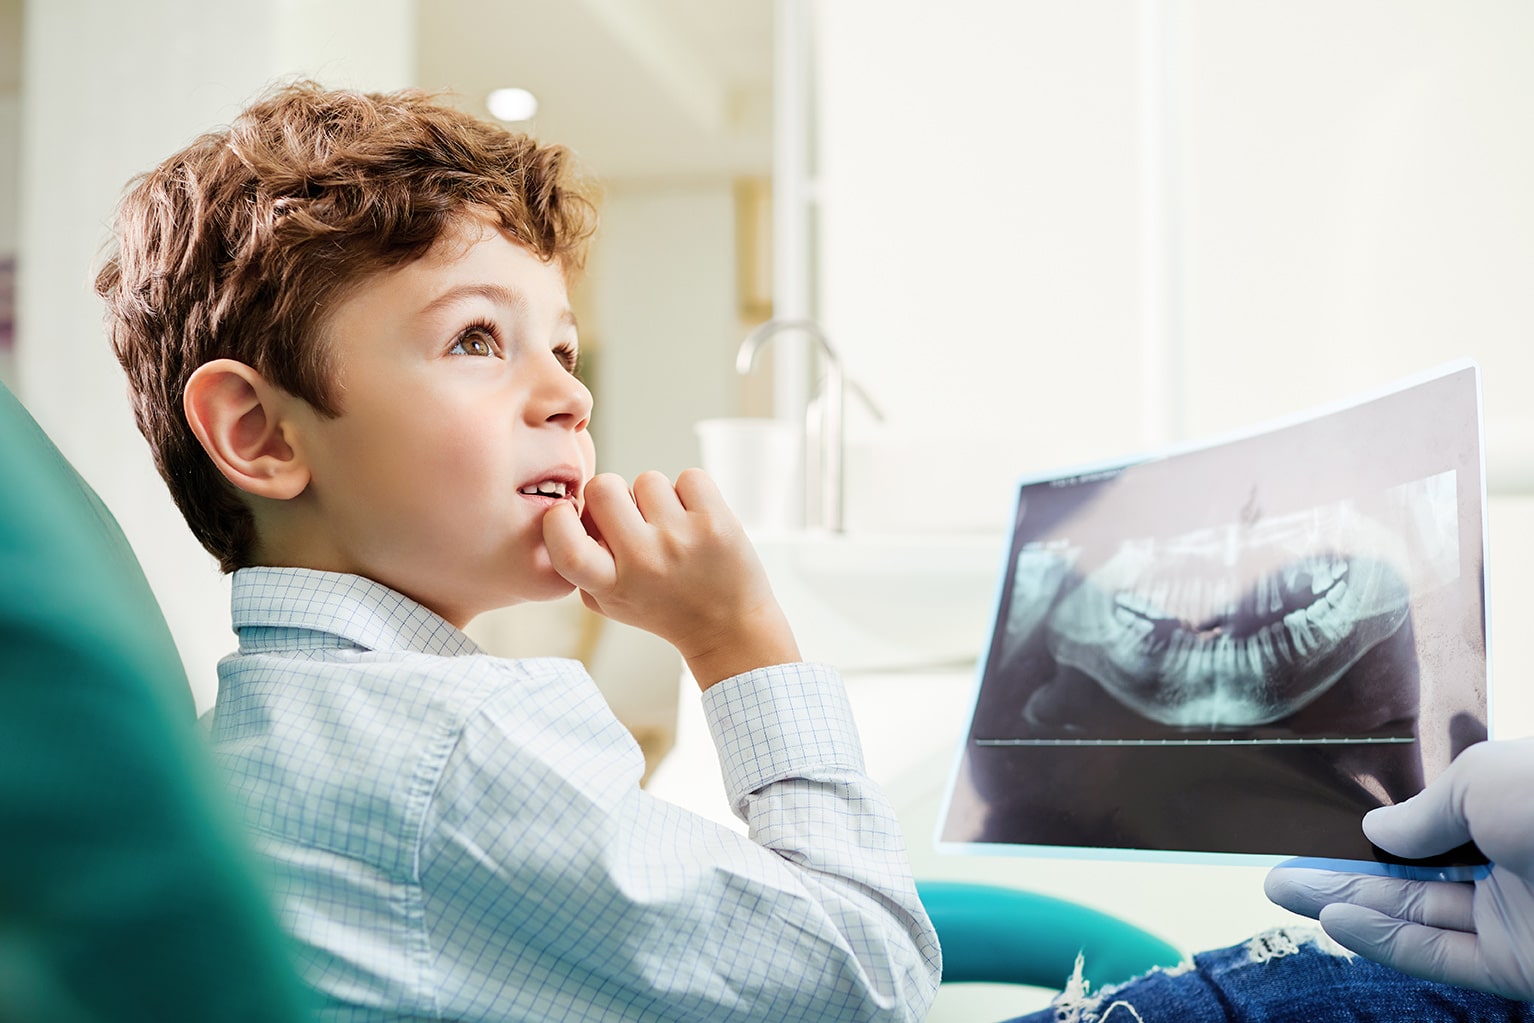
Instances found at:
x=1352 y=207
x=666 y=324
x=1358 y=201
x=978 y=213
x=109 y=90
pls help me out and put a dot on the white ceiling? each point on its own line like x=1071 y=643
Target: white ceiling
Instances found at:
x=640 y=89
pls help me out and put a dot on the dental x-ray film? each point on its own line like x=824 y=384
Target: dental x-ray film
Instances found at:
x=1237 y=649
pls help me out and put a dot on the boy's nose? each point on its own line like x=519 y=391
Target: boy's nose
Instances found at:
x=562 y=398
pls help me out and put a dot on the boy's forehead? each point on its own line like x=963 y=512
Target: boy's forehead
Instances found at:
x=459 y=264
x=464 y=232
x=468 y=230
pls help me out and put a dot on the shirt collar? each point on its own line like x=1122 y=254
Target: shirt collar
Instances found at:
x=354 y=608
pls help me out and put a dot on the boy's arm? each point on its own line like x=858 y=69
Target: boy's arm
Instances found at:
x=554 y=886
x=793 y=771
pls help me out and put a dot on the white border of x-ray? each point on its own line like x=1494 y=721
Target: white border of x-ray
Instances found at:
x=1073 y=852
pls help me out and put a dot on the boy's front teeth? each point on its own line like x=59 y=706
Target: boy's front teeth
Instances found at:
x=552 y=488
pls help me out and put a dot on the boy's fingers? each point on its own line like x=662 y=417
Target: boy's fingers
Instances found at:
x=612 y=511
x=578 y=558
x=697 y=490
x=655 y=496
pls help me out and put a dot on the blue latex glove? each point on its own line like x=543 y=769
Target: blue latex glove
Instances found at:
x=1477 y=935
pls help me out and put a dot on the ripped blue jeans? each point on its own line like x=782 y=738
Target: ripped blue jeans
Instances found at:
x=1290 y=975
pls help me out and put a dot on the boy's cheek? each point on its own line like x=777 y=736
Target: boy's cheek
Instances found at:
x=589 y=446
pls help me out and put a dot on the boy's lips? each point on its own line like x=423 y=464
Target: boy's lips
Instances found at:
x=560 y=483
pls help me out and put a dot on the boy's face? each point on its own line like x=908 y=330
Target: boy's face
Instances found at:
x=461 y=424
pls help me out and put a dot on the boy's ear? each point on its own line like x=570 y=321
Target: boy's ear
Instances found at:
x=239 y=419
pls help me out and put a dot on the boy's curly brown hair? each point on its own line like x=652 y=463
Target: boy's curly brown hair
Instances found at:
x=239 y=246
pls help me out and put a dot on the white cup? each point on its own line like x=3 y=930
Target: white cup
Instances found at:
x=759 y=467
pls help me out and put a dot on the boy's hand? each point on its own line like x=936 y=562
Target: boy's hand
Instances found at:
x=676 y=562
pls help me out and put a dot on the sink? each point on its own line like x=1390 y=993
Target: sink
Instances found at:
x=867 y=602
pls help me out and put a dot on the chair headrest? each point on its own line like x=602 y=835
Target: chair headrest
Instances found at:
x=126 y=888
x=70 y=573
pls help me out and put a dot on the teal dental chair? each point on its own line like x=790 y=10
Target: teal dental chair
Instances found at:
x=127 y=889
x=996 y=935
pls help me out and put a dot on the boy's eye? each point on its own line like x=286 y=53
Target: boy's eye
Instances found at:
x=476 y=340
x=567 y=355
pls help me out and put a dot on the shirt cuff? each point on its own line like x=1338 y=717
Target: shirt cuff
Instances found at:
x=786 y=721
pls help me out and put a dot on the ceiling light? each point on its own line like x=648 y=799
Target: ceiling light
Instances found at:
x=512 y=104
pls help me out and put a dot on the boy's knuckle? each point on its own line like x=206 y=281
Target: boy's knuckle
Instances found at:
x=720 y=531
x=649 y=478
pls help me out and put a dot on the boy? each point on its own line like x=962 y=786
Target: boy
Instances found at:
x=345 y=325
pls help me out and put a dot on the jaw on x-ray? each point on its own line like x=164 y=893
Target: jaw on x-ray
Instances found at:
x=1226 y=627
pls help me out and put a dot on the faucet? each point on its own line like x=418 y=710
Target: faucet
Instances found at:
x=825 y=419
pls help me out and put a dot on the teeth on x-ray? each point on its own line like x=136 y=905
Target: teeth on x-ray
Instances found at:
x=1233 y=629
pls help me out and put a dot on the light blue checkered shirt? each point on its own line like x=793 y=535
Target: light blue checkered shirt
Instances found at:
x=463 y=837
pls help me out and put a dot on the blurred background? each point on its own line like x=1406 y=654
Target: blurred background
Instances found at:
x=1037 y=233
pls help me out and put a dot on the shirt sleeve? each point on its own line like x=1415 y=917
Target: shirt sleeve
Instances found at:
x=555 y=888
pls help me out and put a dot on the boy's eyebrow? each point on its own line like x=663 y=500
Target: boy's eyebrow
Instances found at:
x=499 y=294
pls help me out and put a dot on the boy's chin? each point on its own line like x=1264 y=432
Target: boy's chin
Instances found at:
x=544 y=593
x=547 y=585
x=527 y=582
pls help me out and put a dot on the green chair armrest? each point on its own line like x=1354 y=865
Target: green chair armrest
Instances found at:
x=1003 y=935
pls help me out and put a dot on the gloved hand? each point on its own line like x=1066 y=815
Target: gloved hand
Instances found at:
x=1478 y=935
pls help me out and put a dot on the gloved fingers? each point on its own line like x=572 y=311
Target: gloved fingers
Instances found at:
x=1437 y=903
x=1303 y=891
x=1452 y=957
x=1431 y=822
x=1443 y=904
x=1480 y=795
